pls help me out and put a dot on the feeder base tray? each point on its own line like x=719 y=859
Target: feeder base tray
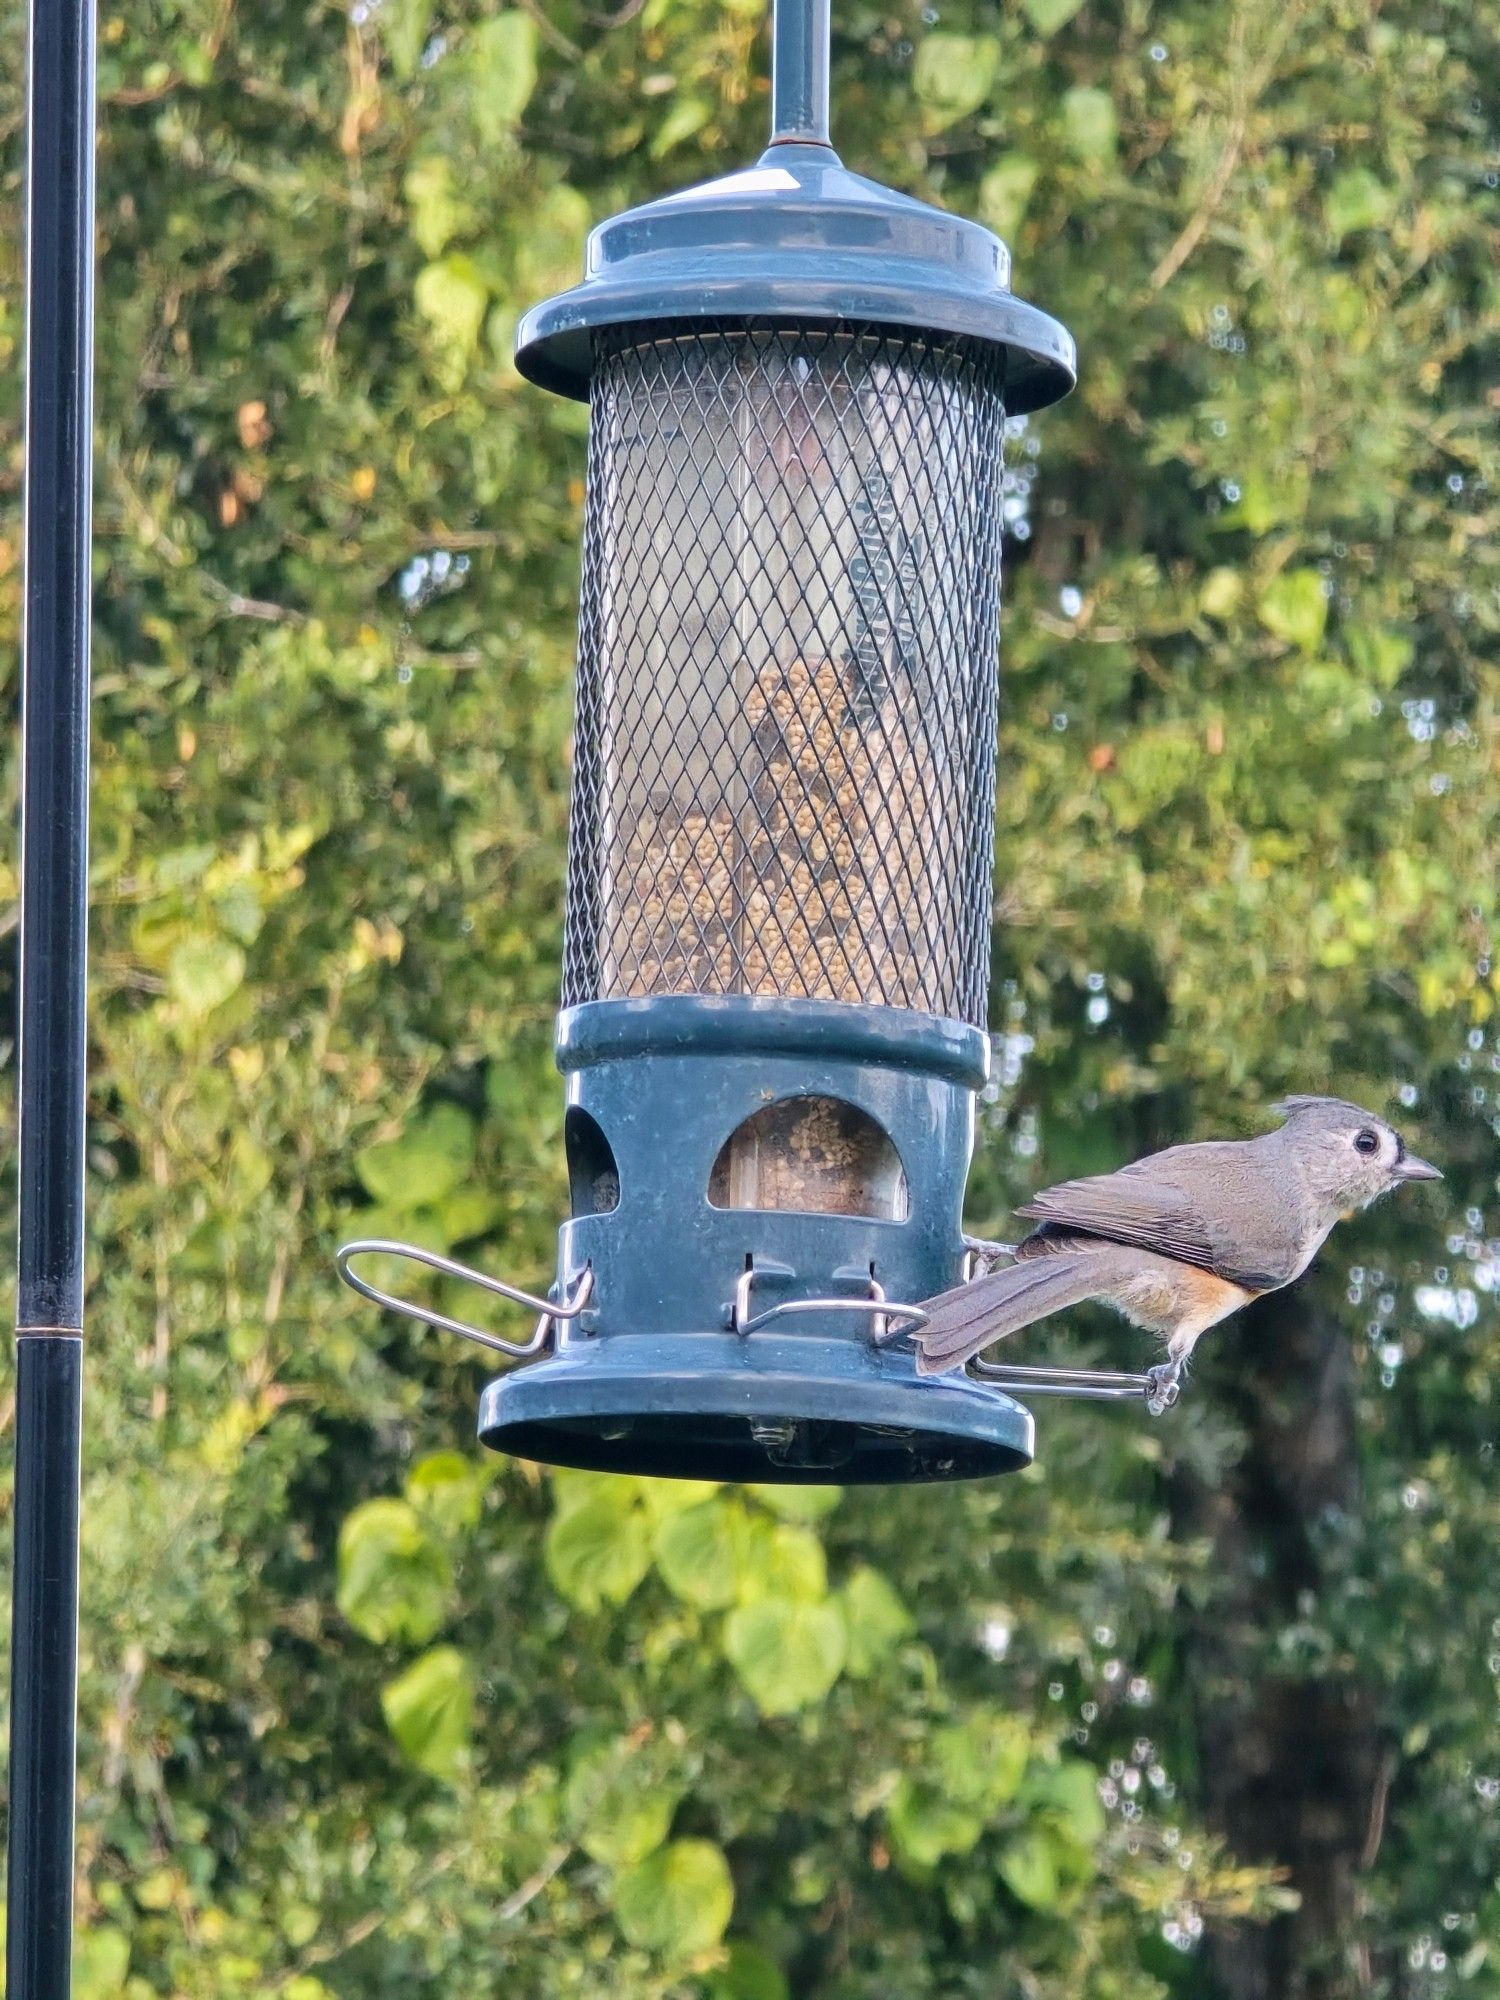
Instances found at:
x=776 y=1410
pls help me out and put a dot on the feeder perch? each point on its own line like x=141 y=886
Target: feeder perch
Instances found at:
x=779 y=878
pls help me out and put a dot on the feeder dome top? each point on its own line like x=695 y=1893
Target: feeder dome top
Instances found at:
x=797 y=237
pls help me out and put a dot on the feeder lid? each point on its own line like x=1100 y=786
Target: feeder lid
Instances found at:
x=797 y=237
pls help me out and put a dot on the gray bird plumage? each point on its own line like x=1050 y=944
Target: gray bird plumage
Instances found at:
x=1183 y=1238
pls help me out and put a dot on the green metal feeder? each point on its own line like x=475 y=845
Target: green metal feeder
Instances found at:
x=779 y=878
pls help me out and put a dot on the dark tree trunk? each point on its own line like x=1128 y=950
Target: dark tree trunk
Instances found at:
x=1292 y=1762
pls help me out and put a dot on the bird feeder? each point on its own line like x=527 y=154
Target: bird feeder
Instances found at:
x=778 y=916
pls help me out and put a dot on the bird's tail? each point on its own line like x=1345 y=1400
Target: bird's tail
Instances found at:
x=961 y=1322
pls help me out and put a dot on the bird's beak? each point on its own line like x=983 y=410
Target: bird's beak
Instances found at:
x=1413 y=1169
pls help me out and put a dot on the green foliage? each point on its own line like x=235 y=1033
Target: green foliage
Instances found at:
x=393 y=1579
x=677 y=1901
x=429 y=1708
x=363 y=1716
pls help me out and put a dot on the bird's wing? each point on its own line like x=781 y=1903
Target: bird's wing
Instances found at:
x=1147 y=1205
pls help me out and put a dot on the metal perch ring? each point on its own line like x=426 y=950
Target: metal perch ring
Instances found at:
x=449 y=1267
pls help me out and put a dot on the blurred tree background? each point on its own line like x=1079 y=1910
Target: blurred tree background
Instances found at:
x=1204 y=1707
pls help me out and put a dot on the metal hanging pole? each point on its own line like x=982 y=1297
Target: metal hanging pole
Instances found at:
x=799 y=72
x=53 y=992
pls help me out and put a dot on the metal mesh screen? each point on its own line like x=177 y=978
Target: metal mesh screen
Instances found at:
x=785 y=743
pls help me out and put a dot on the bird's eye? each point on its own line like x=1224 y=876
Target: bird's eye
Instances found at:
x=1367 y=1142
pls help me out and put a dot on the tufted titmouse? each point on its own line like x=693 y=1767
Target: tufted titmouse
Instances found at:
x=1183 y=1238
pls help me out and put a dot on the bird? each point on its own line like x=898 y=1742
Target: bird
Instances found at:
x=1181 y=1239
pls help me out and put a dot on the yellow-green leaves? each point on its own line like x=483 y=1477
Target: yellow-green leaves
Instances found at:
x=971 y=1769
x=1047 y=16
x=501 y=56
x=1028 y=1868
x=453 y=298
x=925 y=1826
x=403 y=27
x=747 y=1974
x=1294 y=605
x=438 y=209
x=1005 y=191
x=447 y=1491
x=430 y=1710
x=985 y=1779
x=1047 y=1864
x=620 y=1798
x=204 y=971
x=428 y=1190
x=981 y=1760
x=600 y=1547
x=875 y=1621
x=101 y=1958
x=786 y=1635
x=1220 y=593
x=394 y=1577
x=952 y=76
x=788 y=1652
x=685 y=118
x=672 y=1898
x=703 y=1554
x=1380 y=654
x=424 y=1162
x=677 y=1901
x=1357 y=199
x=1090 y=124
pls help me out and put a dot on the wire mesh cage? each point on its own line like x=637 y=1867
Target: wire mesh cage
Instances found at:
x=784 y=764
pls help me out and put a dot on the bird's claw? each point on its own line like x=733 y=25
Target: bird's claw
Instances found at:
x=1163 y=1387
x=982 y=1256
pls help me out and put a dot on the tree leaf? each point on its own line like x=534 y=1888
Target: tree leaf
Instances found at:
x=663 y=1497
x=875 y=1620
x=782 y=1561
x=1220 y=593
x=502 y=69
x=453 y=298
x=1028 y=1869
x=1071 y=1791
x=598 y=1552
x=925 y=1826
x=393 y=1579
x=205 y=970
x=1357 y=199
x=447 y=1490
x=748 y=1974
x=981 y=1760
x=101 y=1960
x=1090 y=124
x=678 y=1901
x=702 y=1553
x=619 y=1807
x=424 y=1163
x=1382 y=655
x=437 y=210
x=788 y=1654
x=403 y=28
x=687 y=117
x=952 y=76
x=798 y=1503
x=1005 y=191
x=429 y=1710
x=1294 y=606
x=1047 y=16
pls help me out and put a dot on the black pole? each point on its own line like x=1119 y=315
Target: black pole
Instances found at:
x=799 y=72
x=53 y=992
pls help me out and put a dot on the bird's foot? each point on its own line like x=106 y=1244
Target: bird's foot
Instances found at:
x=982 y=1256
x=1164 y=1386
